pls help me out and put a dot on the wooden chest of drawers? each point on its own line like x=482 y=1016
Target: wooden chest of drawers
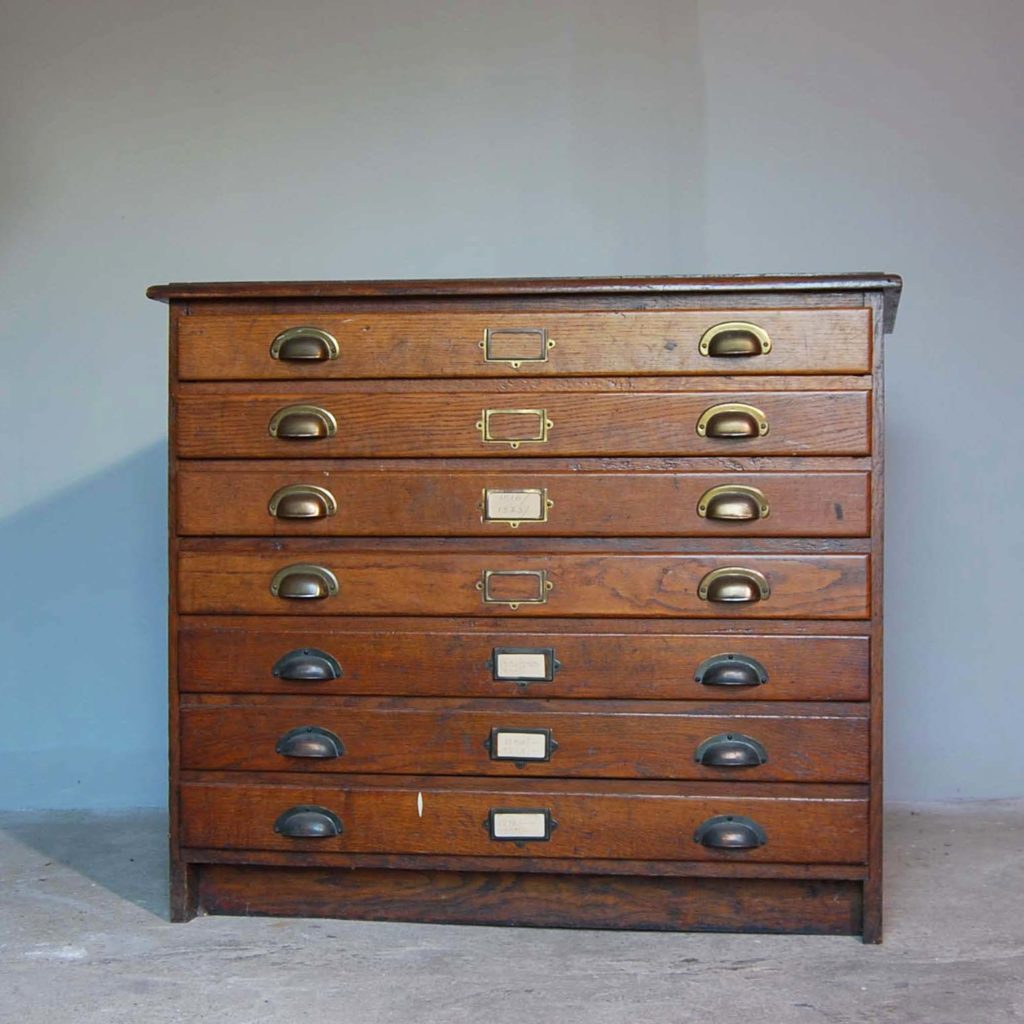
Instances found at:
x=550 y=602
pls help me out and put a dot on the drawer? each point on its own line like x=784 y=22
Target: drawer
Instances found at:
x=530 y=818
x=328 y=499
x=592 y=739
x=247 y=346
x=559 y=659
x=401 y=423
x=414 y=582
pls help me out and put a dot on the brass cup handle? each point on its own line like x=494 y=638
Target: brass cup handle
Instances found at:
x=305 y=821
x=731 y=750
x=302 y=501
x=735 y=339
x=306 y=665
x=302 y=423
x=731 y=670
x=732 y=421
x=730 y=832
x=304 y=345
x=733 y=585
x=304 y=582
x=733 y=503
x=310 y=741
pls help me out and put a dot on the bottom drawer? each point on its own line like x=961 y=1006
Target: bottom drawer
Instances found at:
x=796 y=905
x=611 y=820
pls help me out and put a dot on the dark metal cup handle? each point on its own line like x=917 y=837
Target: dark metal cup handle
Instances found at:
x=308 y=822
x=310 y=741
x=731 y=670
x=730 y=832
x=731 y=750
x=307 y=665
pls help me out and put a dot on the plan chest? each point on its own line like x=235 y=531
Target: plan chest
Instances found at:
x=550 y=602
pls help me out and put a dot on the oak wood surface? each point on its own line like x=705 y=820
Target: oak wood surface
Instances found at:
x=198 y=856
x=594 y=739
x=594 y=819
x=377 y=423
x=448 y=344
x=826 y=907
x=232 y=499
x=449 y=658
x=803 y=287
x=872 y=928
x=445 y=583
x=531 y=385
x=814 y=658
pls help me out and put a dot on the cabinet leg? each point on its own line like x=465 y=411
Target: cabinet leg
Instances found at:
x=184 y=891
x=872 y=927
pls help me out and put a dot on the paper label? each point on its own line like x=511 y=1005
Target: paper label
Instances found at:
x=515 y=505
x=521 y=746
x=519 y=825
x=521 y=666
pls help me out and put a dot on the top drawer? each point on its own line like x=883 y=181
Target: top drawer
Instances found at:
x=275 y=346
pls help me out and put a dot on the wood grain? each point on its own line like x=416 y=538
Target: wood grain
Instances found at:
x=448 y=344
x=593 y=739
x=721 y=290
x=232 y=499
x=595 y=819
x=623 y=387
x=376 y=423
x=440 y=583
x=449 y=658
x=540 y=900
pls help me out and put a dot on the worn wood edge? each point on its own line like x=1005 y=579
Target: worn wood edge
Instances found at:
x=835 y=792
x=713 y=547
x=804 y=906
x=498 y=388
x=873 y=890
x=183 y=879
x=723 y=629
x=523 y=286
x=198 y=856
x=867 y=284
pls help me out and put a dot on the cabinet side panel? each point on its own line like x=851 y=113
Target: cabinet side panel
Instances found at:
x=183 y=877
x=872 y=930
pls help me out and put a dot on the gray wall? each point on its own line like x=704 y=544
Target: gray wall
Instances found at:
x=240 y=139
x=891 y=136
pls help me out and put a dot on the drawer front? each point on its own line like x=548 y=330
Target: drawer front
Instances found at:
x=434 y=658
x=756 y=743
x=237 y=499
x=432 y=816
x=237 y=346
x=506 y=424
x=443 y=583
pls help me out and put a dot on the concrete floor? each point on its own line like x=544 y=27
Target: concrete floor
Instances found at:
x=84 y=938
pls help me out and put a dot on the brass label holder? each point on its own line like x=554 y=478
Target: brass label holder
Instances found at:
x=486 y=581
x=512 y=507
x=494 y=335
x=487 y=431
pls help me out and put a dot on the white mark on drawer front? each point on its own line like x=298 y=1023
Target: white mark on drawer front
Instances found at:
x=419 y=804
x=522 y=666
x=519 y=825
x=527 y=746
x=516 y=505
